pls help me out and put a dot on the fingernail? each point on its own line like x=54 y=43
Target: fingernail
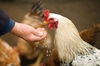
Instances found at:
x=40 y=34
x=43 y=29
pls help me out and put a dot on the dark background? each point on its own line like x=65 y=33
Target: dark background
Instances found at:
x=83 y=13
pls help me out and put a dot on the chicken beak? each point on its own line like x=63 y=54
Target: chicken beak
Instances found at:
x=45 y=23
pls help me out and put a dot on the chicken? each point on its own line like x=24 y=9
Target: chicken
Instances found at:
x=88 y=35
x=35 y=19
x=8 y=57
x=72 y=50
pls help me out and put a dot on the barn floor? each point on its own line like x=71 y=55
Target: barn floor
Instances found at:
x=84 y=13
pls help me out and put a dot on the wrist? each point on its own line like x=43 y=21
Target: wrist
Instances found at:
x=9 y=26
x=15 y=28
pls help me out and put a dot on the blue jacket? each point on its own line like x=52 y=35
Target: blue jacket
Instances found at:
x=6 y=24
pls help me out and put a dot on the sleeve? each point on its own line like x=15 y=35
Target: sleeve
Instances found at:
x=6 y=24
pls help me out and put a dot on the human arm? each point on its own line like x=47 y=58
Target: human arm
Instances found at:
x=6 y=24
x=24 y=31
x=28 y=33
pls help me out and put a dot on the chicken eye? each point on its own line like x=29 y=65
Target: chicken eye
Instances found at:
x=51 y=20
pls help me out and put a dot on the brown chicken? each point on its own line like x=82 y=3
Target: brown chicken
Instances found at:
x=88 y=35
x=35 y=19
x=8 y=57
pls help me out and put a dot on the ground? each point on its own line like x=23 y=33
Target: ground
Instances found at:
x=83 y=13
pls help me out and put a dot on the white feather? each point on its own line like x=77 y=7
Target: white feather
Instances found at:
x=87 y=60
x=71 y=48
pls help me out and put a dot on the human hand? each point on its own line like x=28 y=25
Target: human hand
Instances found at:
x=28 y=33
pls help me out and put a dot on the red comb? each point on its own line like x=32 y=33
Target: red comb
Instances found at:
x=51 y=21
x=46 y=14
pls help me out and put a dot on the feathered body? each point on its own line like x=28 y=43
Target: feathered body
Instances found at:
x=90 y=35
x=72 y=50
x=34 y=18
x=8 y=57
x=32 y=50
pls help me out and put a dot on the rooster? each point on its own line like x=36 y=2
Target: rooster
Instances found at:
x=8 y=57
x=72 y=50
x=34 y=18
x=88 y=35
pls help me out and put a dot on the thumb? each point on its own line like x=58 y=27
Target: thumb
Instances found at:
x=38 y=33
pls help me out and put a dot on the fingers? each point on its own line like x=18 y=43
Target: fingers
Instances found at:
x=33 y=38
x=38 y=35
x=42 y=29
x=44 y=32
x=39 y=32
x=28 y=33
